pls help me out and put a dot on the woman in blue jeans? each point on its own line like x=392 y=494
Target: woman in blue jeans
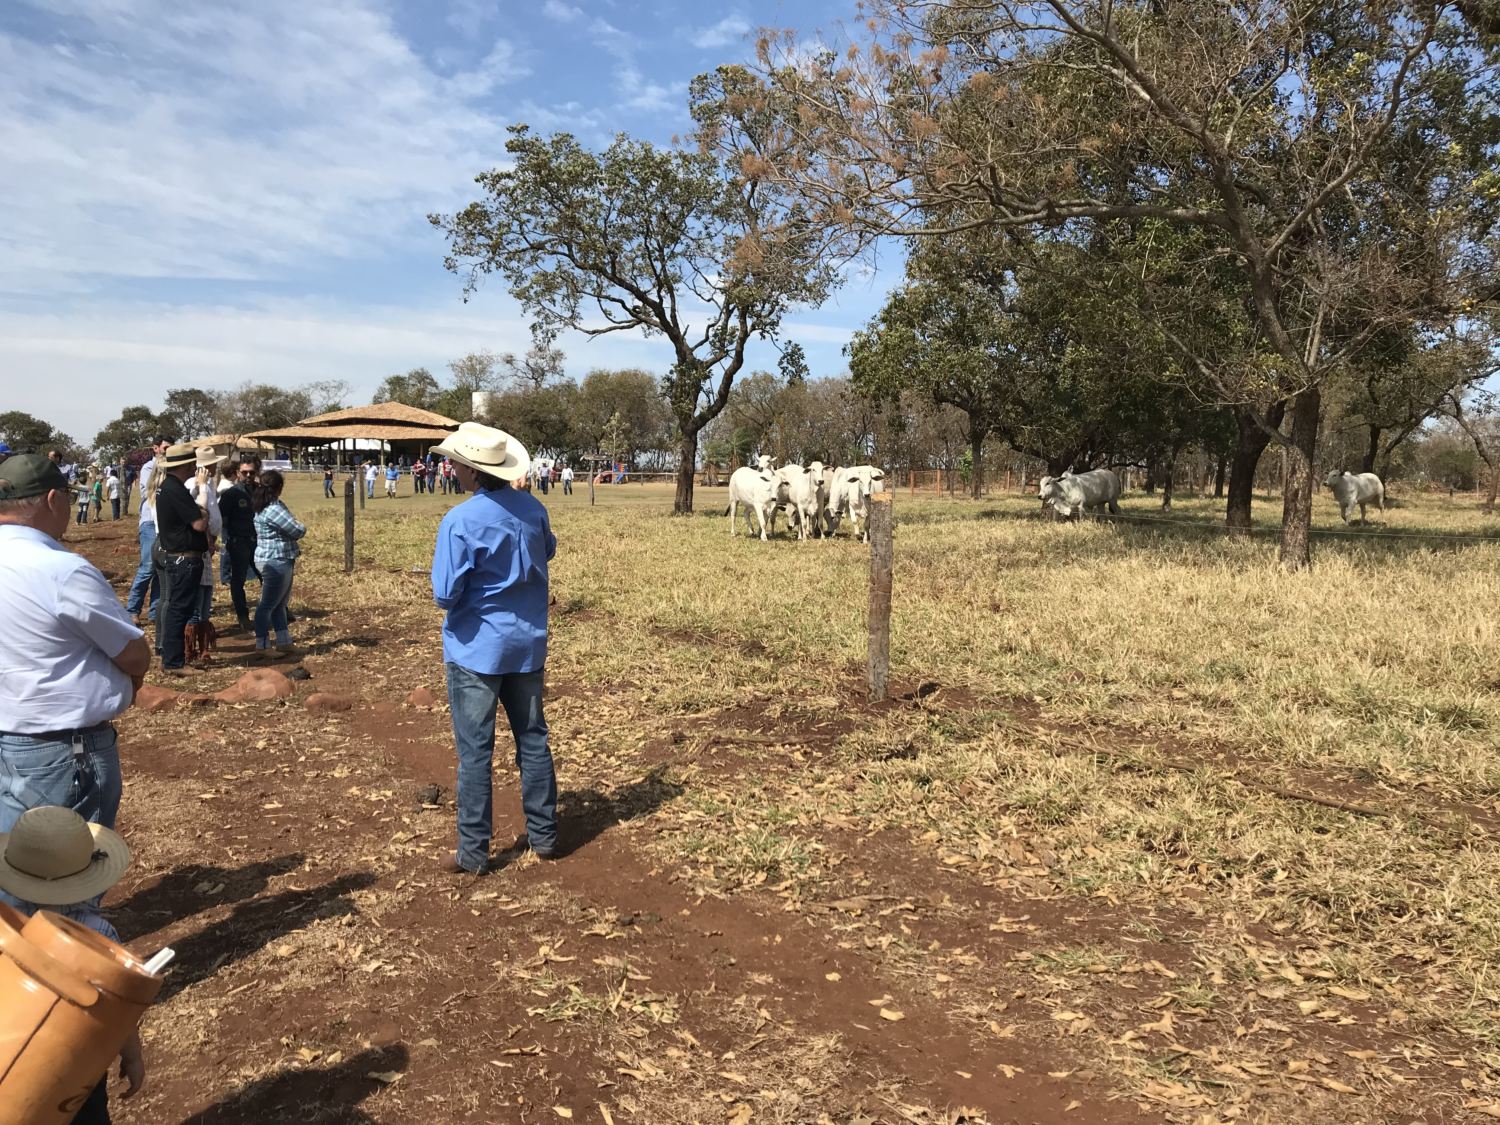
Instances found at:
x=489 y=571
x=278 y=542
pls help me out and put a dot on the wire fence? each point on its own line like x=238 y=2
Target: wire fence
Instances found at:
x=1333 y=533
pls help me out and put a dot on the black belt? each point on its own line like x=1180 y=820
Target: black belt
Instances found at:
x=58 y=735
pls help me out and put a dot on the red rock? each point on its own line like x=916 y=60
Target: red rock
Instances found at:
x=257 y=684
x=328 y=701
x=420 y=697
x=152 y=698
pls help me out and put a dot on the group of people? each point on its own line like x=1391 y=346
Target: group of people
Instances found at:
x=75 y=657
x=197 y=504
x=428 y=474
x=545 y=473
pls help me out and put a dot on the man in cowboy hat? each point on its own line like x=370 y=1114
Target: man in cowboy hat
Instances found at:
x=145 y=590
x=181 y=543
x=72 y=658
x=55 y=860
x=489 y=571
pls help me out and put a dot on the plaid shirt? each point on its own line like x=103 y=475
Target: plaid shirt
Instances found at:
x=276 y=534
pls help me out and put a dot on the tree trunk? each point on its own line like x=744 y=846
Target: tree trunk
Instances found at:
x=1372 y=450
x=1489 y=501
x=1249 y=445
x=1149 y=488
x=1169 y=471
x=1297 y=490
x=976 y=457
x=1221 y=469
x=682 y=505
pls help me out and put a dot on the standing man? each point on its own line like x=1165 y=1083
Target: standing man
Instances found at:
x=392 y=475
x=182 y=536
x=71 y=662
x=147 y=581
x=567 y=480
x=238 y=512
x=114 y=493
x=489 y=571
x=370 y=479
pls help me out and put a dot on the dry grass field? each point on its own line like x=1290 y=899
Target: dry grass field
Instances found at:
x=1153 y=832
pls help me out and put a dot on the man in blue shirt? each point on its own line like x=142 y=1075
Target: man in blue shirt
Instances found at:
x=489 y=571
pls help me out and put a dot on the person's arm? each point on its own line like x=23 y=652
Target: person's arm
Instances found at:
x=451 y=561
x=133 y=1064
x=89 y=607
x=287 y=523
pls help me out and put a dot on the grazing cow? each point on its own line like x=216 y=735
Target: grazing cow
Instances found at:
x=850 y=492
x=1070 y=494
x=1350 y=489
x=757 y=490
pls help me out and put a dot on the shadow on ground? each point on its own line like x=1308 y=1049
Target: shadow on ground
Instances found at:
x=185 y=891
x=309 y=1094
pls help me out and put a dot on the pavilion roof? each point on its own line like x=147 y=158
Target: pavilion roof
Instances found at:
x=304 y=434
x=397 y=413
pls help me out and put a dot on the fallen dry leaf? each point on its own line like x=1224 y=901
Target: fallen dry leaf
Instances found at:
x=385 y=1077
x=891 y=1014
x=562 y=1111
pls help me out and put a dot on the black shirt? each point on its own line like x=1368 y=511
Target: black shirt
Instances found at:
x=238 y=514
x=176 y=512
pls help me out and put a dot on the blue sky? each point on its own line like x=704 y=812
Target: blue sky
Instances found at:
x=201 y=193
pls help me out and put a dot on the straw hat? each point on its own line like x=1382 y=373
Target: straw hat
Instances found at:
x=487 y=450
x=177 y=456
x=53 y=857
x=207 y=458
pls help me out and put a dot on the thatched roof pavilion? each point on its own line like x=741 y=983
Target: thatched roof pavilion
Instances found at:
x=397 y=427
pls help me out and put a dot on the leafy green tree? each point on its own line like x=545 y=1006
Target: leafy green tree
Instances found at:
x=27 y=434
x=673 y=244
x=136 y=428
x=251 y=407
x=190 y=413
x=416 y=388
x=630 y=393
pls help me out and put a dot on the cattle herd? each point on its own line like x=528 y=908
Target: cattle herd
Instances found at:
x=816 y=498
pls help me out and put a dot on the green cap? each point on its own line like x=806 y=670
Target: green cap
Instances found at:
x=29 y=474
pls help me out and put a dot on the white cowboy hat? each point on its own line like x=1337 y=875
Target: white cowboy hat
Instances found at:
x=207 y=458
x=53 y=857
x=486 y=450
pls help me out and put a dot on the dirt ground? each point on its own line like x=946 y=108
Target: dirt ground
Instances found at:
x=328 y=968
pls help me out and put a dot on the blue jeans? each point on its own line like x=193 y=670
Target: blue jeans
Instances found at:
x=275 y=592
x=34 y=772
x=370 y=489
x=328 y=487
x=145 y=575
x=473 y=699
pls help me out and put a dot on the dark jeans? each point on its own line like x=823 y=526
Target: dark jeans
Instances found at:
x=95 y=1111
x=239 y=559
x=181 y=577
x=114 y=508
x=328 y=487
x=473 y=699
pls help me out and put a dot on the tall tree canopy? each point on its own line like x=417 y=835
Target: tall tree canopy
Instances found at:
x=680 y=245
x=1341 y=157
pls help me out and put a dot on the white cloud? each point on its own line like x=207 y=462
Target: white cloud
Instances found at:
x=154 y=139
x=639 y=93
x=730 y=29
x=561 y=12
x=80 y=367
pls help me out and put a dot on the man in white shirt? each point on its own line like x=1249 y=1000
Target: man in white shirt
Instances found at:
x=567 y=480
x=370 y=479
x=71 y=662
x=146 y=580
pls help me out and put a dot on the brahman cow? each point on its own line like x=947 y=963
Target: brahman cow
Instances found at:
x=798 y=491
x=757 y=489
x=850 y=491
x=1350 y=489
x=1070 y=494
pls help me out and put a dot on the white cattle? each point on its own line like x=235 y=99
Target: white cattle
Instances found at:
x=1350 y=489
x=849 y=491
x=1072 y=494
x=797 y=489
x=757 y=489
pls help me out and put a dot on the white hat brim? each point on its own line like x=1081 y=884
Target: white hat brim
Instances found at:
x=516 y=465
x=111 y=858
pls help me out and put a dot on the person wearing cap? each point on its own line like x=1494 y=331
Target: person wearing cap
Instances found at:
x=147 y=581
x=489 y=571
x=53 y=859
x=72 y=658
x=181 y=543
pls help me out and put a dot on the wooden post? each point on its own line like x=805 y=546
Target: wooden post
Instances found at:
x=880 y=594
x=593 y=474
x=349 y=526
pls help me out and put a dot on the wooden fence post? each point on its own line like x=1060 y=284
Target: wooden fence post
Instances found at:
x=880 y=595
x=349 y=526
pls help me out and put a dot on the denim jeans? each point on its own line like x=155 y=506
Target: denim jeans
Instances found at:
x=35 y=772
x=275 y=592
x=370 y=489
x=145 y=575
x=114 y=507
x=182 y=577
x=473 y=699
x=239 y=564
x=328 y=487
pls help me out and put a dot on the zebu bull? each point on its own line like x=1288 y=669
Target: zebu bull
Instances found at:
x=1070 y=494
x=1350 y=489
x=849 y=491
